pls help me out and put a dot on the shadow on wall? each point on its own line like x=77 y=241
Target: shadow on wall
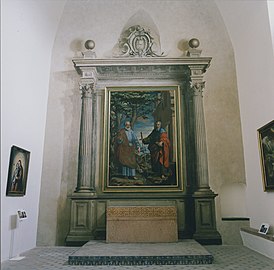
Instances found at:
x=70 y=102
x=233 y=212
x=232 y=200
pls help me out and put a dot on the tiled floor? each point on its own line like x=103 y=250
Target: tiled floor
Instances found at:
x=225 y=258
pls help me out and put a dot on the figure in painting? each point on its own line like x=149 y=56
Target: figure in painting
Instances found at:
x=268 y=146
x=126 y=147
x=17 y=177
x=159 y=147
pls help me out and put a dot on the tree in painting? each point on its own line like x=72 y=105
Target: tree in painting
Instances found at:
x=131 y=105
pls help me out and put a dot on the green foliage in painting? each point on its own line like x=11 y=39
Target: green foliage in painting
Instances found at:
x=131 y=105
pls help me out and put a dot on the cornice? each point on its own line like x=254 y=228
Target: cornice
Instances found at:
x=140 y=67
x=87 y=62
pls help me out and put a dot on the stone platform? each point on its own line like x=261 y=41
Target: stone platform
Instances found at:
x=102 y=253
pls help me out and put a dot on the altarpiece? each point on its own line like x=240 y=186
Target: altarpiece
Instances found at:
x=141 y=87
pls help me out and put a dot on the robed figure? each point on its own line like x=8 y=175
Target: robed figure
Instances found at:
x=159 y=147
x=126 y=147
x=17 y=177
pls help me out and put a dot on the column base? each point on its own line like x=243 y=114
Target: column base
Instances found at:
x=84 y=190
x=208 y=238
x=205 y=218
x=204 y=192
x=77 y=241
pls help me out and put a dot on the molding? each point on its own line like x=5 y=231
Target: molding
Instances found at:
x=235 y=219
x=141 y=260
x=84 y=62
x=140 y=68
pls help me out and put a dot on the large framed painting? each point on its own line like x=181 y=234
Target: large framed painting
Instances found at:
x=142 y=139
x=266 y=145
x=18 y=171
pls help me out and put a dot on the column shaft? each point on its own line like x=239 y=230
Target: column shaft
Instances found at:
x=200 y=137
x=85 y=182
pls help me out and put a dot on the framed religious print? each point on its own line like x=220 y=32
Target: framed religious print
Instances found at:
x=142 y=149
x=266 y=145
x=18 y=171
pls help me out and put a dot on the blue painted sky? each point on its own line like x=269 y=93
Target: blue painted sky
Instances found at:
x=145 y=126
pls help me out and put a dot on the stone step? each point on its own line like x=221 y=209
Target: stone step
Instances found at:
x=185 y=252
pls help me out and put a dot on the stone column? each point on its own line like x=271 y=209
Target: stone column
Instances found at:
x=204 y=204
x=85 y=183
x=196 y=91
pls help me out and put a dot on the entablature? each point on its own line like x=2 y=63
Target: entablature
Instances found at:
x=140 y=68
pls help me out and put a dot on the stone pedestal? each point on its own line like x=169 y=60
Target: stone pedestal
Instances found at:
x=135 y=224
x=205 y=219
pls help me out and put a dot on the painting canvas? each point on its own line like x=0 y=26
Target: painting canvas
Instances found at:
x=266 y=145
x=141 y=139
x=18 y=172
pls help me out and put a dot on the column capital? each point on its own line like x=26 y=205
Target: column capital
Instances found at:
x=196 y=82
x=87 y=87
x=196 y=88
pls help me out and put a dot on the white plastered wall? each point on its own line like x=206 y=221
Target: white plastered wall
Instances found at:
x=248 y=26
x=270 y=4
x=27 y=36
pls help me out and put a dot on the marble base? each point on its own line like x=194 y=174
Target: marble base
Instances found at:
x=103 y=253
x=142 y=224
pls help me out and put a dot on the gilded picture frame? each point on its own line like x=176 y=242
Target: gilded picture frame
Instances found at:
x=266 y=146
x=18 y=171
x=142 y=139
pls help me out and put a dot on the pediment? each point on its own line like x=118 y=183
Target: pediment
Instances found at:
x=139 y=38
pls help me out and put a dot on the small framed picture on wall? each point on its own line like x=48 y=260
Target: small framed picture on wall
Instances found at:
x=18 y=171
x=22 y=214
x=264 y=228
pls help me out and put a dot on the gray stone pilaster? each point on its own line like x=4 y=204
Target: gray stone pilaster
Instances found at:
x=205 y=217
x=85 y=181
x=196 y=90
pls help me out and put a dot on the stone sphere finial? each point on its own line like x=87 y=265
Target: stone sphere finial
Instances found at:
x=90 y=44
x=194 y=43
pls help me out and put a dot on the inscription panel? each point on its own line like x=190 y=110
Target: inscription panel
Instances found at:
x=141 y=212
